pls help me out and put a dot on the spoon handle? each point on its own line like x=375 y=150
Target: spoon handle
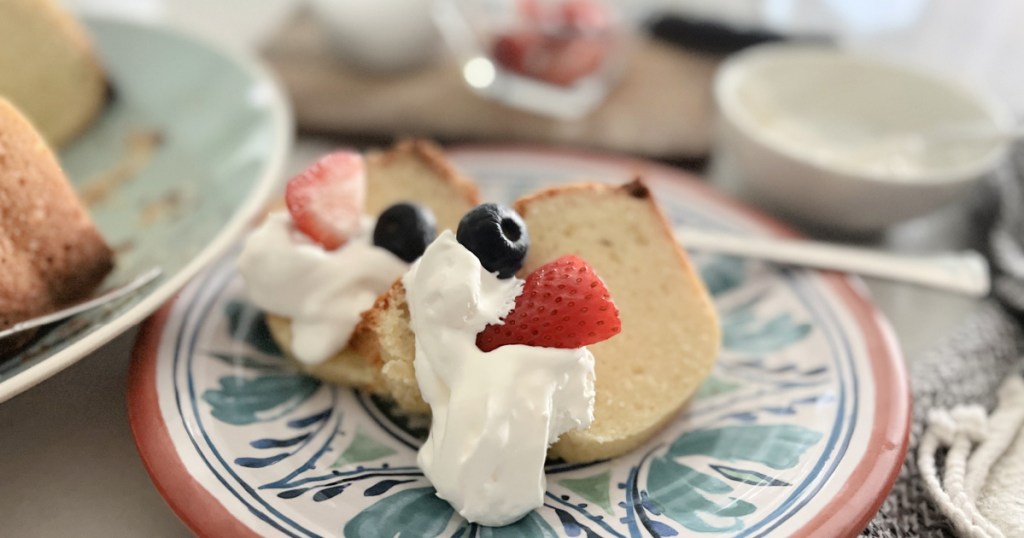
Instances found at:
x=961 y=272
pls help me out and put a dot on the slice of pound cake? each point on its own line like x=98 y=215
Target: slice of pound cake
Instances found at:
x=48 y=69
x=670 y=334
x=50 y=252
x=411 y=171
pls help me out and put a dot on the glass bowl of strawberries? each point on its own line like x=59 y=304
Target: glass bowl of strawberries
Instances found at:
x=557 y=58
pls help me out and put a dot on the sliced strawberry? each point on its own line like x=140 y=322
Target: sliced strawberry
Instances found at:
x=564 y=304
x=326 y=200
x=561 y=42
x=512 y=50
x=553 y=59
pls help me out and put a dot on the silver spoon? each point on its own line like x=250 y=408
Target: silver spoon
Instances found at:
x=106 y=297
x=963 y=272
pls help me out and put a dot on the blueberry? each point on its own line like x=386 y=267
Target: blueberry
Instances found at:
x=497 y=236
x=405 y=229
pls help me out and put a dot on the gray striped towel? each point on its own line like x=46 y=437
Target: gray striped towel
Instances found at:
x=969 y=365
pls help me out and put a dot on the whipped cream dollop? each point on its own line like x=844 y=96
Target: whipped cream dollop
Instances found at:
x=323 y=292
x=494 y=414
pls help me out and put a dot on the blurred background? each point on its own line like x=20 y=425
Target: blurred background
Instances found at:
x=975 y=42
x=640 y=81
x=691 y=83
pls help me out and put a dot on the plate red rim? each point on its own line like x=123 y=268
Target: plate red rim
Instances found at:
x=846 y=514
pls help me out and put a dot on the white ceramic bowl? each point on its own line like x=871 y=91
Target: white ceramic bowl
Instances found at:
x=819 y=135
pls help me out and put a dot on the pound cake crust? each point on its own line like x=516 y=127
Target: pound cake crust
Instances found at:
x=51 y=254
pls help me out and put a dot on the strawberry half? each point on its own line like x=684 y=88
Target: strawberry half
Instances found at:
x=326 y=200
x=522 y=52
x=564 y=304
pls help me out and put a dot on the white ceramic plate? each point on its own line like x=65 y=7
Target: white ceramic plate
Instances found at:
x=799 y=431
x=211 y=131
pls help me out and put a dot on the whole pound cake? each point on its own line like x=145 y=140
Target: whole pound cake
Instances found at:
x=50 y=252
x=670 y=334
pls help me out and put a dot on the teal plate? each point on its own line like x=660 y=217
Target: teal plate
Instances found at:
x=182 y=158
x=799 y=431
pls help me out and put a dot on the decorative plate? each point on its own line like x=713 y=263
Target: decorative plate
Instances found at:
x=799 y=431
x=182 y=157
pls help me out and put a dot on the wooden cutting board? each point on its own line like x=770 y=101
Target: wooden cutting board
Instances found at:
x=662 y=107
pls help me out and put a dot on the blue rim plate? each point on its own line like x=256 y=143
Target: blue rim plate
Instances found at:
x=195 y=139
x=799 y=431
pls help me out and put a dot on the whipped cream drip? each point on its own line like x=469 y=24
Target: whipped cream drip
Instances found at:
x=494 y=414
x=323 y=292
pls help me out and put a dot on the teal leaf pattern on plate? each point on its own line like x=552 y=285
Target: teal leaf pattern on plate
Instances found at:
x=531 y=526
x=700 y=501
x=363 y=448
x=592 y=488
x=743 y=332
x=680 y=492
x=714 y=386
x=723 y=274
x=777 y=446
x=247 y=324
x=747 y=476
x=408 y=513
x=278 y=443
x=241 y=400
x=246 y=361
x=384 y=486
x=311 y=424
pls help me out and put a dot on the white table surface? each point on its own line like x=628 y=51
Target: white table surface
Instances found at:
x=68 y=464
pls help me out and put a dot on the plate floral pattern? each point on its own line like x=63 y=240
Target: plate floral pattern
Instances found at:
x=790 y=415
